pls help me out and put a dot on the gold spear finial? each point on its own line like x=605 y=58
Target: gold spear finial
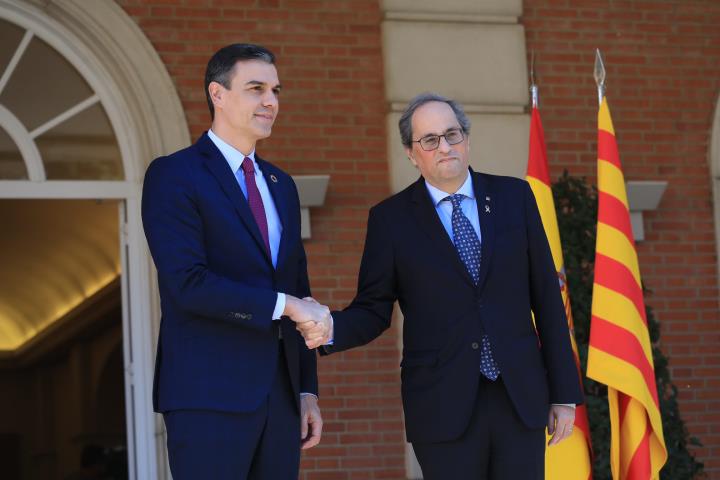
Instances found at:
x=599 y=74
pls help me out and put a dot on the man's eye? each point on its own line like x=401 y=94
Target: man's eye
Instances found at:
x=453 y=135
x=276 y=91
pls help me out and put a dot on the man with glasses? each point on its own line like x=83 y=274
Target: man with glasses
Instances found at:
x=466 y=256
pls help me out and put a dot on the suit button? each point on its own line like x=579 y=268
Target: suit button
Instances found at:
x=475 y=345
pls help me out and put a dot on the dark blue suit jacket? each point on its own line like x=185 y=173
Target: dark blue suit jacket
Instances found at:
x=218 y=345
x=409 y=257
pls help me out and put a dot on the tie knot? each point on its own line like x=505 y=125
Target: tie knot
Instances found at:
x=247 y=166
x=455 y=199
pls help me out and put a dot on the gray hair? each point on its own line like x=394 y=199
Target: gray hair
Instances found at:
x=405 y=123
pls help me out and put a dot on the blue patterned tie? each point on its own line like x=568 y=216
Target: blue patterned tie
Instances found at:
x=467 y=244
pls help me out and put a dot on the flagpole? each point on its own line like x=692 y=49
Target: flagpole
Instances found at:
x=599 y=75
x=533 y=85
x=620 y=349
x=572 y=459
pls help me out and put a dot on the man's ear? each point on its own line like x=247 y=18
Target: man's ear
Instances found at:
x=409 y=153
x=217 y=92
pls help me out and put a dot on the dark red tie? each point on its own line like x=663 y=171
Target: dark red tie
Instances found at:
x=255 y=200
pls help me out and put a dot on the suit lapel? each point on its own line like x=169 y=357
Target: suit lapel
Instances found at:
x=218 y=166
x=486 y=205
x=279 y=194
x=426 y=215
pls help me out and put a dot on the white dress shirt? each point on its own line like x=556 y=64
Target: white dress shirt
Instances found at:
x=234 y=159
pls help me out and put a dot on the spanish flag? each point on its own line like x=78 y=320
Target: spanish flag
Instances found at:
x=570 y=459
x=620 y=353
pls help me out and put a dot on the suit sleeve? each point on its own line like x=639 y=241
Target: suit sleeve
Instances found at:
x=174 y=230
x=370 y=312
x=549 y=311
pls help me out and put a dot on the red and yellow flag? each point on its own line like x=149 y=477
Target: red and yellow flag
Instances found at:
x=570 y=459
x=620 y=354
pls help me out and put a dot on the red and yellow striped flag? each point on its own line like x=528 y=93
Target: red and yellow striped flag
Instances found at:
x=570 y=459
x=620 y=354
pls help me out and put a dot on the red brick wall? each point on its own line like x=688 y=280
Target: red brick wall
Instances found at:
x=663 y=66
x=332 y=121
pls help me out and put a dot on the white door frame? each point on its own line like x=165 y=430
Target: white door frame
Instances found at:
x=122 y=67
x=135 y=283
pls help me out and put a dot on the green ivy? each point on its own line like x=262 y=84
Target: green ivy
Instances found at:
x=576 y=205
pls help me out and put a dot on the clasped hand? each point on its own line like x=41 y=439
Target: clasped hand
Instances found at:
x=311 y=319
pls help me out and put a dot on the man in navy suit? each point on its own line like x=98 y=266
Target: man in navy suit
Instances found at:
x=466 y=256
x=235 y=382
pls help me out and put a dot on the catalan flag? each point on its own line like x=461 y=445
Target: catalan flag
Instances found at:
x=570 y=459
x=620 y=353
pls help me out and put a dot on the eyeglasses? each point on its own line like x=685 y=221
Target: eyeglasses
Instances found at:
x=431 y=142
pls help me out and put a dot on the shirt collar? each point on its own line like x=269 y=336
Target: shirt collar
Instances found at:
x=438 y=195
x=233 y=156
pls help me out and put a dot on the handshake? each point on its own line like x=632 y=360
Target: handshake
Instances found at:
x=311 y=319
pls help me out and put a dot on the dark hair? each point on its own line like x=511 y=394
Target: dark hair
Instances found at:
x=222 y=64
x=405 y=123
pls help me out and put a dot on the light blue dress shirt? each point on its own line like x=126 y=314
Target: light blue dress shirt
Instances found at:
x=468 y=206
x=234 y=159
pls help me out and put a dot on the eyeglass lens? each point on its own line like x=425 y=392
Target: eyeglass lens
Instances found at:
x=431 y=142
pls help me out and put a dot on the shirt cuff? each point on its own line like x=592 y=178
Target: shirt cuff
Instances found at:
x=565 y=404
x=279 y=306
x=332 y=327
x=305 y=394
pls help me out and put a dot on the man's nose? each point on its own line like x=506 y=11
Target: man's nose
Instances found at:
x=270 y=99
x=444 y=146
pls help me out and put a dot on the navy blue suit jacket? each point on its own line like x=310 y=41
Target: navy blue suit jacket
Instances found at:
x=409 y=257
x=218 y=345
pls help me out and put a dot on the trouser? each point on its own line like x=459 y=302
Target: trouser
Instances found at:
x=259 y=445
x=496 y=445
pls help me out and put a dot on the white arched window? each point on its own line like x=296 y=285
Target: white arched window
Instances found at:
x=53 y=125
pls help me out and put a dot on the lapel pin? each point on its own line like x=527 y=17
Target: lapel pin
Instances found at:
x=273 y=178
x=487 y=208
x=487 y=199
